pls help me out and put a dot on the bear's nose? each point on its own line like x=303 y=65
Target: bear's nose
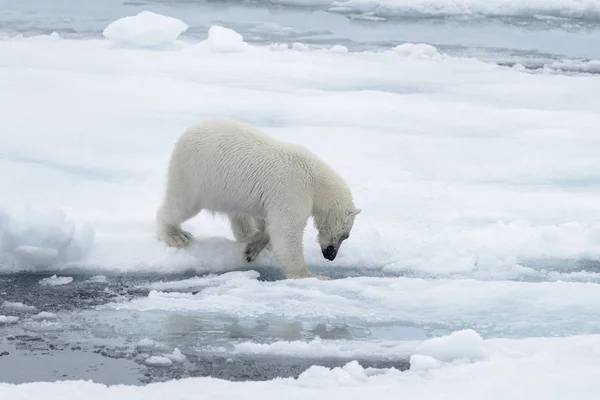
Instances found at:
x=329 y=253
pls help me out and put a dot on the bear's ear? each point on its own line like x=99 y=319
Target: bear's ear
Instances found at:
x=356 y=211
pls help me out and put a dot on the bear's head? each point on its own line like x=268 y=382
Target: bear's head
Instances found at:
x=334 y=229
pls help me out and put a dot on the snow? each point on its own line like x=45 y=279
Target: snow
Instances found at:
x=339 y=49
x=224 y=40
x=418 y=50
x=37 y=237
x=145 y=29
x=420 y=362
x=278 y=46
x=297 y=46
x=517 y=369
x=479 y=189
x=55 y=280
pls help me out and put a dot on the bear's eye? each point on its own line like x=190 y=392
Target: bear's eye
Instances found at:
x=346 y=236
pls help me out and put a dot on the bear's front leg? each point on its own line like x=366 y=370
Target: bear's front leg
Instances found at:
x=286 y=244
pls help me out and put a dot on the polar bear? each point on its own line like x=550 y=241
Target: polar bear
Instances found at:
x=267 y=188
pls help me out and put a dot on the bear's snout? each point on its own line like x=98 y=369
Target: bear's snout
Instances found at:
x=329 y=253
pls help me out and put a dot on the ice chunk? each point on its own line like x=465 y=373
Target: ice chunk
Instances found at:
x=17 y=306
x=44 y=315
x=43 y=326
x=176 y=356
x=158 y=361
x=145 y=29
x=330 y=348
x=225 y=40
x=56 y=280
x=149 y=344
x=6 y=320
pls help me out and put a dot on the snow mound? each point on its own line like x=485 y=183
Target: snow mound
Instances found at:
x=6 y=320
x=351 y=374
x=419 y=362
x=297 y=46
x=34 y=239
x=339 y=49
x=225 y=40
x=158 y=361
x=465 y=345
x=56 y=280
x=145 y=29
x=419 y=51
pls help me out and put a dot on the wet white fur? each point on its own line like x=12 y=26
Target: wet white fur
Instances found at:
x=267 y=188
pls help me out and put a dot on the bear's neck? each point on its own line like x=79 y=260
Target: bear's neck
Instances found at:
x=330 y=192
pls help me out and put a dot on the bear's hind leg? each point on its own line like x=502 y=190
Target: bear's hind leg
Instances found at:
x=258 y=241
x=242 y=228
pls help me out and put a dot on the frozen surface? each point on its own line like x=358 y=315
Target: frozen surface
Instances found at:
x=506 y=31
x=494 y=308
x=511 y=369
x=586 y=9
x=476 y=179
x=145 y=29
x=475 y=258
